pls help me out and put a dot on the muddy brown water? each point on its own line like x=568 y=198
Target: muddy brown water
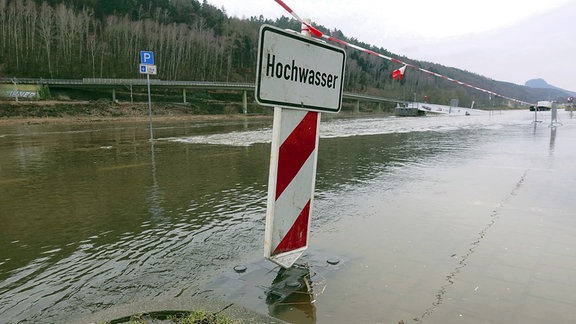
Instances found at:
x=436 y=219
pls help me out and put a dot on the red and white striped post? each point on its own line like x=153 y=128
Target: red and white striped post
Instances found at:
x=292 y=178
x=291 y=183
x=300 y=77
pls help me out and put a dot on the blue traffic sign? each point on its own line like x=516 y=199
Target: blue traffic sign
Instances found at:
x=147 y=57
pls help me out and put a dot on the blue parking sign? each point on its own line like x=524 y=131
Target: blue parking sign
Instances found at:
x=147 y=57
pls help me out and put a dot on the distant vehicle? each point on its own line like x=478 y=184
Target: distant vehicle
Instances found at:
x=542 y=106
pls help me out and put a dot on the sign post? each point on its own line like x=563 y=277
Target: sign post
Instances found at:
x=300 y=78
x=15 y=89
x=147 y=67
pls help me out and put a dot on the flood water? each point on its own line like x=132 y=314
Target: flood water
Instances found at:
x=466 y=219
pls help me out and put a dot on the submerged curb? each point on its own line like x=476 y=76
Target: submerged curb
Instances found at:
x=234 y=312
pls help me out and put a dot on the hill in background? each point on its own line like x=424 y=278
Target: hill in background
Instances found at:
x=554 y=91
x=193 y=40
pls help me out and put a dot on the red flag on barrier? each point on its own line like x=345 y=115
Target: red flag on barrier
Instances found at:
x=399 y=73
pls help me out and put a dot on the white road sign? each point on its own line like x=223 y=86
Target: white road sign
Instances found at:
x=298 y=72
x=147 y=69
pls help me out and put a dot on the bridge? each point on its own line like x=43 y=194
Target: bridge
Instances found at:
x=184 y=85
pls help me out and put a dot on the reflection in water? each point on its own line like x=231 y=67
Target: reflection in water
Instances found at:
x=552 y=139
x=156 y=198
x=535 y=121
x=291 y=295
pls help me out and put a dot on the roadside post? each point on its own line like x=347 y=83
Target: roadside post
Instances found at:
x=536 y=121
x=554 y=116
x=300 y=77
x=147 y=67
x=15 y=89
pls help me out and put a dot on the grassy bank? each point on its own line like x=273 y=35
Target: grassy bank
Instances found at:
x=103 y=110
x=179 y=317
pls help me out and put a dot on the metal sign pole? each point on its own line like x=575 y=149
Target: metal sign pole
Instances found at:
x=15 y=90
x=147 y=67
x=150 y=107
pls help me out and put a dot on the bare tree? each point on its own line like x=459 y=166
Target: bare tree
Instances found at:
x=30 y=17
x=92 y=45
x=15 y=27
x=46 y=25
x=3 y=26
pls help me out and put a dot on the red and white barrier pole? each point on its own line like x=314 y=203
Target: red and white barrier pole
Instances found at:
x=291 y=183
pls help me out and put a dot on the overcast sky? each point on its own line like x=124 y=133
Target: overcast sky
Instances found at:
x=506 y=40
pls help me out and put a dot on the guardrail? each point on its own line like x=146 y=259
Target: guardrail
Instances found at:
x=209 y=85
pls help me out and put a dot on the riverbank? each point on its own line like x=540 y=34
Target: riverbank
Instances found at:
x=80 y=112
x=51 y=112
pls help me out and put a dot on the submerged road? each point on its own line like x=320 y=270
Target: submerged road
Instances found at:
x=445 y=219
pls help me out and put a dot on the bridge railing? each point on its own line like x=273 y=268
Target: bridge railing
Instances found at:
x=210 y=85
x=40 y=81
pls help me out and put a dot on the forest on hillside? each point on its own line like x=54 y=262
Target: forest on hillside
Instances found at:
x=193 y=40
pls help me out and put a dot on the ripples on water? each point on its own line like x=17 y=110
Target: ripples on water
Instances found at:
x=347 y=127
x=162 y=259
x=158 y=225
